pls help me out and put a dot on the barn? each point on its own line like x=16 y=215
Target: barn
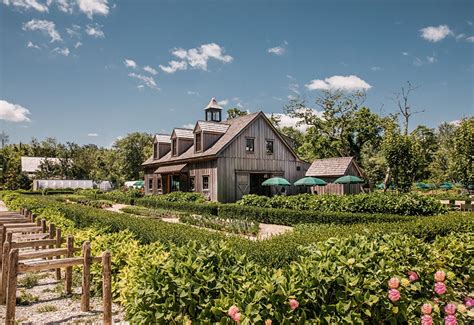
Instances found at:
x=330 y=169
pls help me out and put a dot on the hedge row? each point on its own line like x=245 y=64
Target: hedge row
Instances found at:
x=393 y=203
x=191 y=207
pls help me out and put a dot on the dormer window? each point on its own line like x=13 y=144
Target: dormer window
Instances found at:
x=198 y=142
x=174 y=147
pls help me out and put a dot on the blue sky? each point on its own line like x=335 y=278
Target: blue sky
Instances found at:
x=79 y=70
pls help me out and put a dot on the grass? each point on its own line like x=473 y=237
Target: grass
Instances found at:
x=26 y=299
x=46 y=309
x=29 y=280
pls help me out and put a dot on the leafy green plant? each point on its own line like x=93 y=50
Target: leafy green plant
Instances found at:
x=46 y=309
x=25 y=298
x=29 y=280
x=229 y=225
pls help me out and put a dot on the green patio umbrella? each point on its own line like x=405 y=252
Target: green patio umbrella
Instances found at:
x=276 y=181
x=380 y=186
x=139 y=184
x=349 y=179
x=446 y=186
x=310 y=181
x=422 y=186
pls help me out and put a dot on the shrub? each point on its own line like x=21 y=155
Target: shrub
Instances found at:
x=228 y=225
x=191 y=207
x=294 y=217
x=392 y=203
x=153 y=213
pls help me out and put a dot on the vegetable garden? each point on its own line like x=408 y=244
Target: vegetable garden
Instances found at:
x=378 y=259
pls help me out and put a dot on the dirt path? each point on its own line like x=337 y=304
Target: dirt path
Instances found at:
x=116 y=207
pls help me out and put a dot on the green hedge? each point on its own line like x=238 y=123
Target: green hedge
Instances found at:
x=393 y=203
x=198 y=208
x=292 y=217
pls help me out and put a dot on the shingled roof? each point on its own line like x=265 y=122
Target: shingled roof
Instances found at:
x=214 y=127
x=234 y=127
x=183 y=133
x=330 y=167
x=163 y=138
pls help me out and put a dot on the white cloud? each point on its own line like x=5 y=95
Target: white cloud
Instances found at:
x=288 y=121
x=95 y=31
x=339 y=82
x=27 y=4
x=63 y=51
x=74 y=31
x=130 y=63
x=455 y=122
x=470 y=39
x=189 y=126
x=278 y=50
x=460 y=36
x=32 y=45
x=13 y=113
x=435 y=34
x=404 y=53
x=196 y=58
x=64 y=5
x=77 y=45
x=223 y=102
x=431 y=59
x=150 y=70
x=92 y=134
x=190 y=92
x=93 y=7
x=44 y=26
x=375 y=68
x=148 y=81
x=174 y=66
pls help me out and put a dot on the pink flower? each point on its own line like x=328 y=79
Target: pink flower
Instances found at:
x=237 y=317
x=440 y=276
x=426 y=309
x=268 y=322
x=233 y=311
x=393 y=295
x=393 y=283
x=469 y=302
x=412 y=276
x=450 y=309
x=426 y=320
x=440 y=288
x=450 y=320
x=294 y=304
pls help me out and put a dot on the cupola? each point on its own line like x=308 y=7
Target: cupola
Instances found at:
x=213 y=111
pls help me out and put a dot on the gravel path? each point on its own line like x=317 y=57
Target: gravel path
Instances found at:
x=116 y=207
x=53 y=307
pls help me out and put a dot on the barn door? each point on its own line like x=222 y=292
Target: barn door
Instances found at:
x=242 y=185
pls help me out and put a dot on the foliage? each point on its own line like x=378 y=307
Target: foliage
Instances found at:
x=231 y=225
x=235 y=112
x=387 y=203
x=463 y=158
x=152 y=213
x=161 y=202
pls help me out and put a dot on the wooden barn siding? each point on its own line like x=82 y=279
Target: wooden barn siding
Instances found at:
x=209 y=168
x=184 y=145
x=163 y=149
x=339 y=189
x=235 y=158
x=209 y=139
x=149 y=174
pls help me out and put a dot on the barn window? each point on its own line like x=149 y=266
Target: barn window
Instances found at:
x=174 y=147
x=205 y=183
x=298 y=168
x=269 y=147
x=158 y=186
x=150 y=184
x=250 y=145
x=198 y=141
x=192 y=184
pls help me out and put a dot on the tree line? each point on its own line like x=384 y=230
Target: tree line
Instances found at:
x=341 y=125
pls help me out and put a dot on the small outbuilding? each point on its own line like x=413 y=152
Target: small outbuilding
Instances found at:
x=330 y=169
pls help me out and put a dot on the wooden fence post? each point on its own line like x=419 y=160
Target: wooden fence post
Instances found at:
x=4 y=281
x=43 y=229
x=107 y=287
x=58 y=245
x=68 y=273
x=11 y=289
x=4 y=234
x=33 y=217
x=86 y=281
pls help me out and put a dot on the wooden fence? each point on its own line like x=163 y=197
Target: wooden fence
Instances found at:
x=30 y=245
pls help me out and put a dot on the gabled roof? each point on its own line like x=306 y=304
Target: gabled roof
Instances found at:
x=163 y=138
x=31 y=164
x=183 y=133
x=213 y=127
x=213 y=104
x=330 y=166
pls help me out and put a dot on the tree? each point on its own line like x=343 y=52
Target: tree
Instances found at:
x=440 y=167
x=235 y=112
x=130 y=152
x=463 y=152
x=401 y=153
x=48 y=169
x=402 y=99
x=426 y=138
